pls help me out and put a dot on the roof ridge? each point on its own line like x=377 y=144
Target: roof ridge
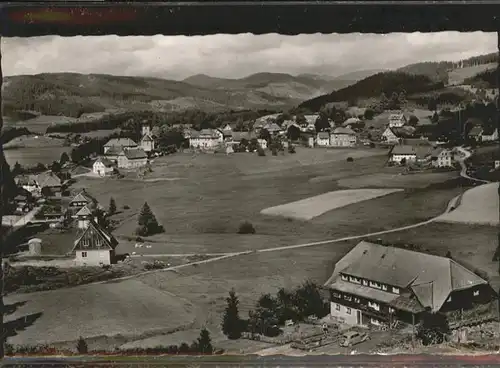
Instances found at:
x=452 y=261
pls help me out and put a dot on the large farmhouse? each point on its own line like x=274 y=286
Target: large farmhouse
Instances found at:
x=397 y=120
x=132 y=158
x=376 y=284
x=206 y=139
x=38 y=184
x=103 y=166
x=343 y=137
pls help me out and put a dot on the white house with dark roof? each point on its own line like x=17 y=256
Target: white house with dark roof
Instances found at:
x=489 y=135
x=103 y=166
x=206 y=139
x=94 y=246
x=119 y=144
x=377 y=284
x=323 y=139
x=81 y=200
x=147 y=143
x=132 y=158
x=343 y=137
x=403 y=153
x=83 y=217
x=397 y=120
x=441 y=157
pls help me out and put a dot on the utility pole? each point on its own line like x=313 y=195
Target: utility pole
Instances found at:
x=3 y=167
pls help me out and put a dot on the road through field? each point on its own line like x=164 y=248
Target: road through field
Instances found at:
x=461 y=161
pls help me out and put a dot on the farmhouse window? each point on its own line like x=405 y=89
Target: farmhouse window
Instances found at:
x=395 y=290
x=357 y=300
x=337 y=295
x=384 y=287
x=337 y=307
x=375 y=322
x=347 y=297
x=476 y=293
x=374 y=305
x=449 y=299
x=391 y=310
x=348 y=310
x=84 y=254
x=344 y=277
x=85 y=242
x=365 y=282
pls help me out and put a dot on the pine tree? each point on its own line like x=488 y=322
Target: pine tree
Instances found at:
x=204 y=343
x=64 y=158
x=148 y=224
x=81 y=346
x=112 y=206
x=231 y=322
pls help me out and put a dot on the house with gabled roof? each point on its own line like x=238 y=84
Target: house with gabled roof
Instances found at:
x=81 y=200
x=206 y=139
x=475 y=133
x=442 y=157
x=103 y=166
x=397 y=119
x=343 y=137
x=83 y=217
x=119 y=144
x=375 y=284
x=132 y=158
x=94 y=246
x=323 y=139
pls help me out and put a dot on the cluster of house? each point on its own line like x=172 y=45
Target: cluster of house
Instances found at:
x=479 y=133
x=32 y=187
x=93 y=245
x=375 y=284
x=125 y=153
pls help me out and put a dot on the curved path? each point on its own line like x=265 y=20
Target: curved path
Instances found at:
x=461 y=161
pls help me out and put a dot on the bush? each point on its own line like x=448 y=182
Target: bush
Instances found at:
x=246 y=228
x=261 y=152
x=126 y=207
x=291 y=149
x=350 y=159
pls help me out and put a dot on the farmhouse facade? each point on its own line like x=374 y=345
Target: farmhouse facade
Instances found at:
x=375 y=284
x=132 y=158
x=103 y=166
x=390 y=136
x=81 y=200
x=397 y=120
x=47 y=182
x=118 y=144
x=323 y=139
x=95 y=246
x=206 y=139
x=343 y=137
x=403 y=154
x=441 y=157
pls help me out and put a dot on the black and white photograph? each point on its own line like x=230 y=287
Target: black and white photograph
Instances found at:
x=251 y=194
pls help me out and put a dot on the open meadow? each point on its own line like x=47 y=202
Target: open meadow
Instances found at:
x=39 y=124
x=478 y=205
x=201 y=200
x=31 y=150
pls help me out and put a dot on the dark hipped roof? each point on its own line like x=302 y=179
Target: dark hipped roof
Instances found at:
x=431 y=278
x=342 y=130
x=106 y=162
x=135 y=154
x=238 y=136
x=475 y=131
x=323 y=135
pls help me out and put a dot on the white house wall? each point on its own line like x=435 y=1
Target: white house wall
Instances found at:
x=94 y=257
x=342 y=315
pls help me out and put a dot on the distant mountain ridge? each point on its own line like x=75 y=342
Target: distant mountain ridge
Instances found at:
x=73 y=94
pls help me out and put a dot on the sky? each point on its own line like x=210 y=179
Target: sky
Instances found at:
x=236 y=56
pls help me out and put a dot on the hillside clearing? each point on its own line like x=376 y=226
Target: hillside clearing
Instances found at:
x=128 y=308
x=457 y=76
x=478 y=205
x=312 y=207
x=31 y=150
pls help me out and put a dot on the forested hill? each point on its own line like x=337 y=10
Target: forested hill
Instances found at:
x=373 y=86
x=486 y=79
x=439 y=71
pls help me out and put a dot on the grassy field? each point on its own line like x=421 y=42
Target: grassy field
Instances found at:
x=212 y=195
x=309 y=208
x=41 y=123
x=396 y=180
x=457 y=76
x=128 y=308
x=478 y=205
x=31 y=150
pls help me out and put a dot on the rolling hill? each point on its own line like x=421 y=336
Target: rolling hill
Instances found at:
x=374 y=86
x=72 y=94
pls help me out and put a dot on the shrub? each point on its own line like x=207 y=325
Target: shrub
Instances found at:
x=246 y=228
x=291 y=149
x=350 y=159
x=126 y=207
x=261 y=152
